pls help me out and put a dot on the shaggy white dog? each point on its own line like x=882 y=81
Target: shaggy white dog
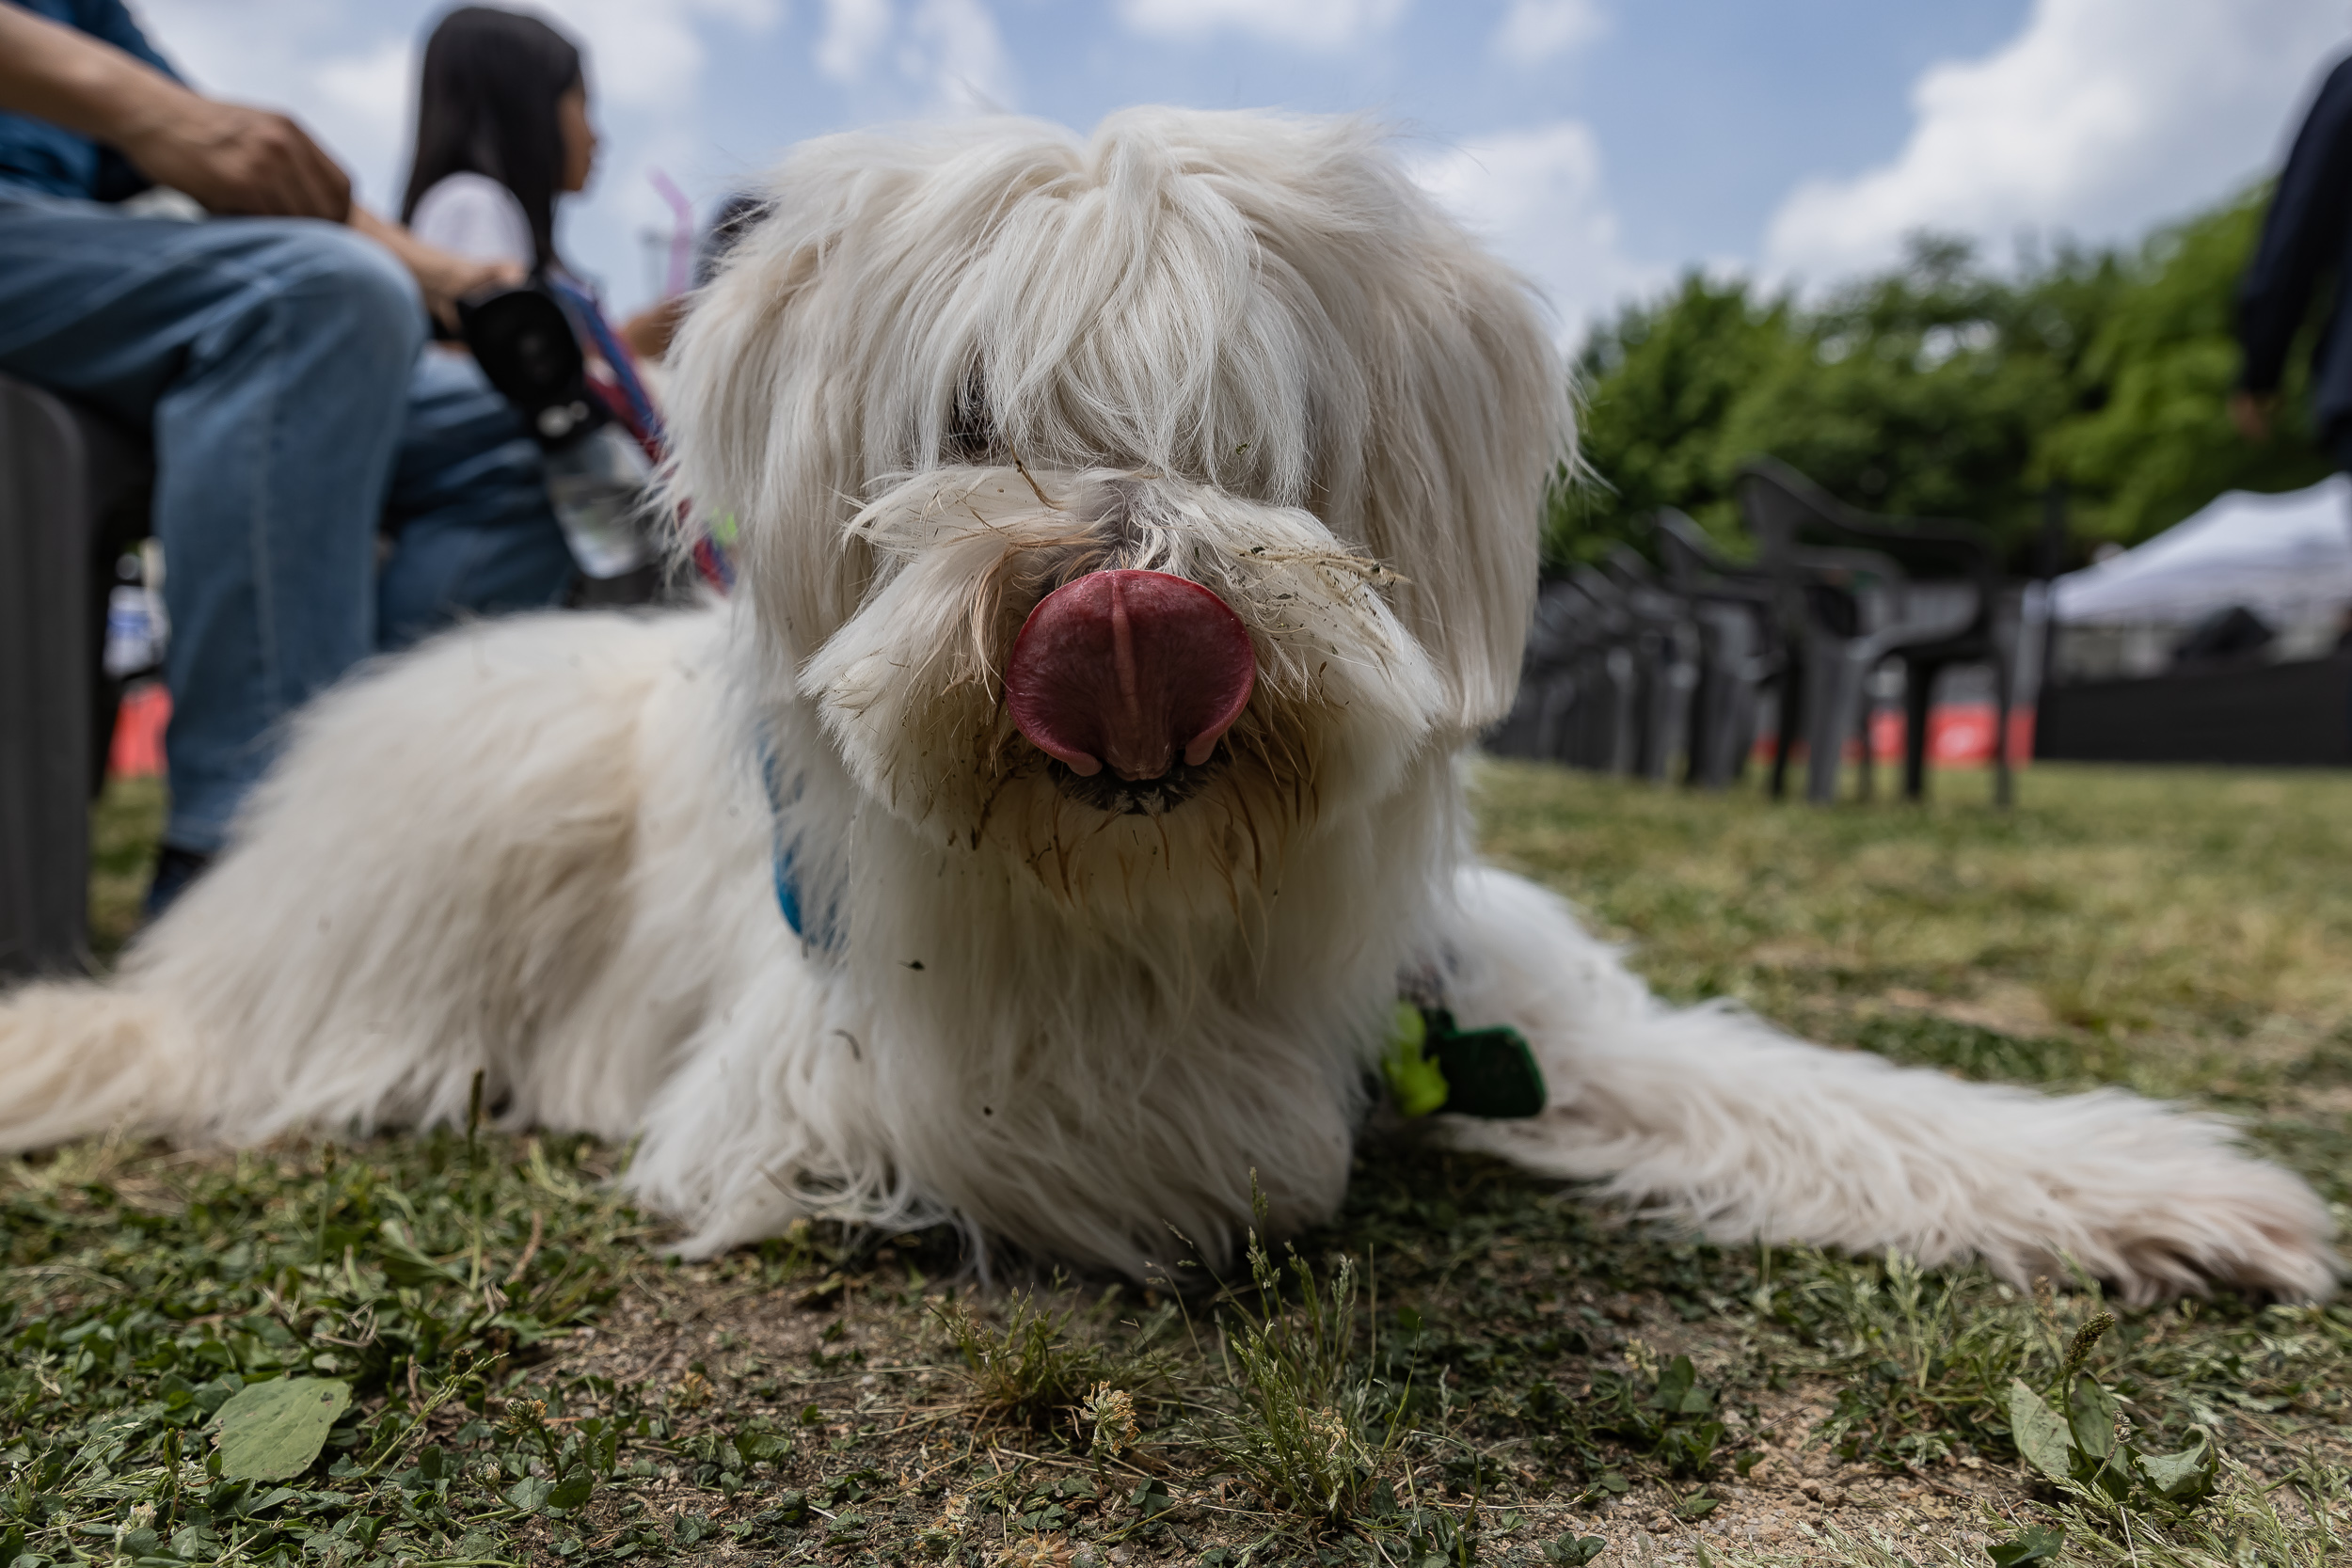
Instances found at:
x=1132 y=533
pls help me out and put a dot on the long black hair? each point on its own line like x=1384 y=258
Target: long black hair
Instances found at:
x=486 y=105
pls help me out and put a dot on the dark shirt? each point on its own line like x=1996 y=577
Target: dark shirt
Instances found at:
x=2302 y=241
x=60 y=162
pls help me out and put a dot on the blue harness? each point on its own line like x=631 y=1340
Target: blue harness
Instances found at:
x=826 y=933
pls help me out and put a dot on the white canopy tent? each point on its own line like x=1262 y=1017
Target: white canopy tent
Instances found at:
x=2287 y=557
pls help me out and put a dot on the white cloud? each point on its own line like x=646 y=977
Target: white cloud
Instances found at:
x=366 y=95
x=1539 y=197
x=948 y=53
x=649 y=54
x=1318 y=25
x=855 y=31
x=2101 y=118
x=1535 y=31
x=955 y=45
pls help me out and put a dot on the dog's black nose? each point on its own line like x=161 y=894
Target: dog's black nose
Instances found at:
x=1129 y=671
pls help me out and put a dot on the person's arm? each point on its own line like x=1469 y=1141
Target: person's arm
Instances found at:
x=230 y=158
x=2302 y=236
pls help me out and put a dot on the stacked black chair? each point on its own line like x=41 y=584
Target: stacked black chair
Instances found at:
x=1741 y=652
x=74 y=495
x=1851 y=590
x=1537 y=724
x=1577 y=698
x=1603 y=732
x=1664 y=642
x=1611 y=660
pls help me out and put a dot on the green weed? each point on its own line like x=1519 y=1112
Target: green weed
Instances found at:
x=1313 y=1429
x=1924 y=1361
x=1040 y=1367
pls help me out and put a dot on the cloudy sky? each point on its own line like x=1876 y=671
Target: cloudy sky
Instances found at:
x=1603 y=145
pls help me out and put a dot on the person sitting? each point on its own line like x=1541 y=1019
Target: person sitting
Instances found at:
x=268 y=352
x=502 y=129
x=502 y=134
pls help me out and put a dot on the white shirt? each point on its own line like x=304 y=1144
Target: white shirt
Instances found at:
x=474 y=216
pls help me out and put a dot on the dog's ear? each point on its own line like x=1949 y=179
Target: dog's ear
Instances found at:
x=1444 y=409
x=1468 y=421
x=768 y=415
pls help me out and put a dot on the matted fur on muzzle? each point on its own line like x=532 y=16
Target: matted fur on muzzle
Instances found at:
x=912 y=687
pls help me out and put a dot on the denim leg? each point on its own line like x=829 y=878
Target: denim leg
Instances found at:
x=269 y=359
x=474 y=533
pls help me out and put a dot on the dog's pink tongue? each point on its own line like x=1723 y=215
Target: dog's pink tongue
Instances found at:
x=1127 y=671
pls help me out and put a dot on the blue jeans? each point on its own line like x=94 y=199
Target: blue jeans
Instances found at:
x=275 y=363
x=472 y=531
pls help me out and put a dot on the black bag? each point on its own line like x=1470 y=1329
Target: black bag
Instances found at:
x=524 y=344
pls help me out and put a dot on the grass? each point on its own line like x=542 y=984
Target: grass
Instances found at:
x=1468 y=1365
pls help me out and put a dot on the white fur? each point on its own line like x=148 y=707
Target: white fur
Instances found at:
x=954 y=369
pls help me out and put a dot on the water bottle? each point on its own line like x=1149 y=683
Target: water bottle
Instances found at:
x=136 y=631
x=598 y=485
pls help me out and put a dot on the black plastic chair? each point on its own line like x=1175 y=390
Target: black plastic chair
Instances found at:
x=1664 y=641
x=1852 y=590
x=1739 y=648
x=1578 y=696
x=1537 y=725
x=1605 y=729
x=74 y=495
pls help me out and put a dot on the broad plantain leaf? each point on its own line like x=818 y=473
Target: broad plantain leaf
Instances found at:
x=272 y=1431
x=2100 y=1458
x=2090 y=1415
x=1676 y=1385
x=2037 y=1431
x=2183 y=1477
x=572 y=1490
x=2037 y=1545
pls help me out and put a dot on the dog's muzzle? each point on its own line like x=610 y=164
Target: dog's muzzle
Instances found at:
x=1129 y=671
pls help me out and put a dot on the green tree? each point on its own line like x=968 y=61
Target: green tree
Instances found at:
x=1938 y=388
x=1919 y=392
x=1657 y=383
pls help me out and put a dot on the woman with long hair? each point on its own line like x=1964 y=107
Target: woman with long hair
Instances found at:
x=502 y=131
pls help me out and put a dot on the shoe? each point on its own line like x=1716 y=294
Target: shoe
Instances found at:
x=175 y=869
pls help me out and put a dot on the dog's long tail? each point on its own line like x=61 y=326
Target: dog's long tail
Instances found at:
x=1711 y=1117
x=79 y=1058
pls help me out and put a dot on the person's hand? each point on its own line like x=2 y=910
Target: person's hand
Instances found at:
x=2251 y=412
x=443 y=277
x=446 y=280
x=248 y=163
x=648 y=333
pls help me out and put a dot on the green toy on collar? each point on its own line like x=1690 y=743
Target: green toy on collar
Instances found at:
x=1432 y=1066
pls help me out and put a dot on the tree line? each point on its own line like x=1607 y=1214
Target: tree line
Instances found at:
x=1939 y=388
